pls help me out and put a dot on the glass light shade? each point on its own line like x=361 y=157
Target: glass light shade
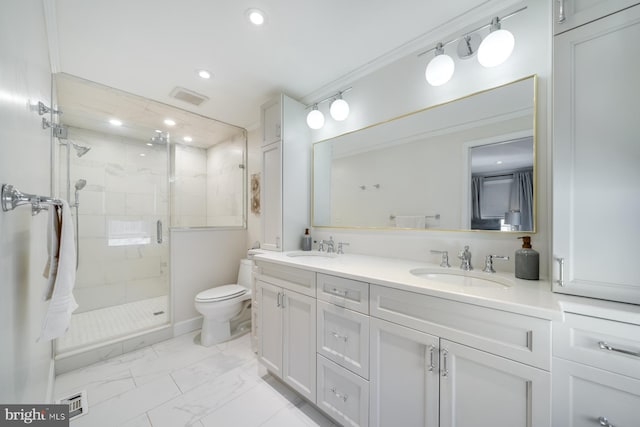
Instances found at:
x=440 y=70
x=339 y=110
x=496 y=48
x=315 y=119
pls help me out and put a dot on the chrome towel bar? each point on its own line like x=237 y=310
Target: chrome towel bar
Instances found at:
x=436 y=216
x=12 y=198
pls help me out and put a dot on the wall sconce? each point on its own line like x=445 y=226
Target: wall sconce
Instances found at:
x=492 y=51
x=339 y=110
x=440 y=69
x=315 y=118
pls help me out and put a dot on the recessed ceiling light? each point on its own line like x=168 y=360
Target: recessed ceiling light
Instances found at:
x=187 y=139
x=149 y=144
x=204 y=74
x=158 y=131
x=255 y=16
x=115 y=122
x=499 y=162
x=142 y=154
x=169 y=122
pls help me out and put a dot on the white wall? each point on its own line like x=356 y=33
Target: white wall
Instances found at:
x=400 y=88
x=25 y=74
x=254 y=160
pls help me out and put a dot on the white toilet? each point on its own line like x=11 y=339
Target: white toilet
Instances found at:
x=222 y=306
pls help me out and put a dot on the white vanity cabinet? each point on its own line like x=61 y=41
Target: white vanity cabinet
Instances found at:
x=287 y=326
x=447 y=359
x=596 y=372
x=286 y=174
x=570 y=14
x=596 y=197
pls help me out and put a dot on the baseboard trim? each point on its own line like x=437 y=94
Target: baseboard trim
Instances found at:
x=186 y=326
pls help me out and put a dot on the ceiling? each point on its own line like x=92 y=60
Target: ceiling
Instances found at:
x=305 y=48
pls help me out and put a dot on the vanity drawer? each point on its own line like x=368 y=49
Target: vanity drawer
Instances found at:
x=294 y=279
x=602 y=343
x=587 y=396
x=343 y=337
x=514 y=336
x=348 y=293
x=342 y=394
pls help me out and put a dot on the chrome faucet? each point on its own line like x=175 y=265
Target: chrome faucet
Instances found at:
x=444 y=261
x=488 y=262
x=330 y=245
x=465 y=256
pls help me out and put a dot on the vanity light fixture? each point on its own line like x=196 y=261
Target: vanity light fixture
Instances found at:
x=440 y=69
x=255 y=16
x=315 y=118
x=496 y=47
x=339 y=108
x=493 y=50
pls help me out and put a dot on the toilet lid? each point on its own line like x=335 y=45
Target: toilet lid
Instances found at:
x=221 y=293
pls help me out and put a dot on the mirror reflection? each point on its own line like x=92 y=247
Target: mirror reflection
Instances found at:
x=464 y=165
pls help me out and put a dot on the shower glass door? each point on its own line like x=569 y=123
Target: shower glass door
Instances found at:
x=118 y=177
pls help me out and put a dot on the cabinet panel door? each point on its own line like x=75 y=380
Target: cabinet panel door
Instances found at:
x=596 y=195
x=586 y=396
x=342 y=394
x=569 y=14
x=480 y=389
x=271 y=199
x=270 y=327
x=299 y=343
x=271 y=122
x=404 y=376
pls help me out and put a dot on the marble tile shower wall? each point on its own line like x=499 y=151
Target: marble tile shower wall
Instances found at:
x=126 y=193
x=225 y=171
x=189 y=186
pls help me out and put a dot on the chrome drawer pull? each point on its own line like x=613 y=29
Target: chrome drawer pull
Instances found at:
x=339 y=337
x=431 y=364
x=560 y=280
x=341 y=396
x=562 y=17
x=445 y=371
x=338 y=292
x=604 y=346
x=605 y=422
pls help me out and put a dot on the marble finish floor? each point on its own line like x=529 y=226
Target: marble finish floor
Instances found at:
x=181 y=383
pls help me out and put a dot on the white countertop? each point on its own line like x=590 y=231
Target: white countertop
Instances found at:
x=527 y=297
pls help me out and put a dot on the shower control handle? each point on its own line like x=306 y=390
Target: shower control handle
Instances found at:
x=159 y=231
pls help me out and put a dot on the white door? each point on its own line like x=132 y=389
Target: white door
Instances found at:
x=270 y=326
x=403 y=377
x=586 y=396
x=596 y=156
x=480 y=389
x=272 y=197
x=299 y=343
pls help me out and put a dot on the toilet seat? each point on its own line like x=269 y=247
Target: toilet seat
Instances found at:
x=221 y=293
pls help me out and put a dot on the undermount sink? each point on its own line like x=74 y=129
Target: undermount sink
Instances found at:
x=312 y=254
x=461 y=278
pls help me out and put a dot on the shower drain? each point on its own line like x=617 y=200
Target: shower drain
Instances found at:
x=78 y=404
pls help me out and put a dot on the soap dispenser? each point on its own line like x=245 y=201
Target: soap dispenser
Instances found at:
x=306 y=240
x=527 y=261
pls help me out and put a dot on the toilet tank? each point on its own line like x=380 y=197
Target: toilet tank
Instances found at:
x=244 y=273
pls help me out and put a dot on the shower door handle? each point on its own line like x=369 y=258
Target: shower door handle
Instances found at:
x=159 y=231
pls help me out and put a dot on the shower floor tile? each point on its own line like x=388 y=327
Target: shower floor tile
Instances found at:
x=99 y=326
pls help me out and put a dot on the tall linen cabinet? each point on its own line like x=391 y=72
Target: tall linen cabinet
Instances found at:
x=286 y=174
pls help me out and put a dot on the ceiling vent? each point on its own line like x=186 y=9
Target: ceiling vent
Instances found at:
x=188 y=96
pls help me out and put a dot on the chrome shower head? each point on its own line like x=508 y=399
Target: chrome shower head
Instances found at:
x=81 y=183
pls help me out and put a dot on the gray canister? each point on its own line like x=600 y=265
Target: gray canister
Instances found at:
x=306 y=240
x=527 y=261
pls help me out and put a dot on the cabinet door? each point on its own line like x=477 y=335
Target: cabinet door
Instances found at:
x=596 y=196
x=480 y=389
x=586 y=396
x=404 y=376
x=569 y=14
x=299 y=343
x=272 y=197
x=271 y=122
x=270 y=327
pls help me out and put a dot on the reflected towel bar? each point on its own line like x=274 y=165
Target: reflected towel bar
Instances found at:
x=12 y=198
x=436 y=216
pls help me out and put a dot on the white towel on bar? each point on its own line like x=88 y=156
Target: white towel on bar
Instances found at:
x=53 y=247
x=411 y=221
x=61 y=274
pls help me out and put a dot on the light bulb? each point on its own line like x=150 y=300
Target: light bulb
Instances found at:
x=440 y=70
x=339 y=109
x=496 y=48
x=255 y=16
x=315 y=119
